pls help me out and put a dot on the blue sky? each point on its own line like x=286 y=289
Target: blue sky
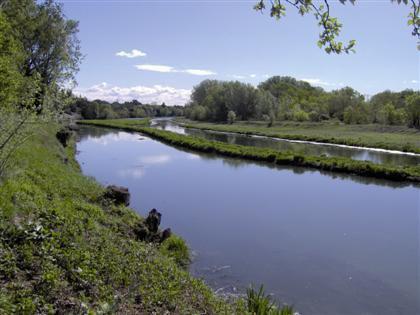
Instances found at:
x=180 y=43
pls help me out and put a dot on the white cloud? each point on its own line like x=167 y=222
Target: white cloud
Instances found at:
x=316 y=81
x=134 y=53
x=169 y=69
x=243 y=77
x=156 y=68
x=155 y=159
x=134 y=173
x=414 y=81
x=144 y=94
x=199 y=72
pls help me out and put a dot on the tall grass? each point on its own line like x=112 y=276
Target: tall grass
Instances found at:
x=260 y=303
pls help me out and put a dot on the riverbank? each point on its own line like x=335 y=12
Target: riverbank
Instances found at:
x=397 y=138
x=335 y=164
x=65 y=249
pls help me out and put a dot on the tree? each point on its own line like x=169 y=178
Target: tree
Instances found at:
x=340 y=99
x=391 y=116
x=413 y=110
x=266 y=104
x=231 y=117
x=52 y=50
x=355 y=114
x=11 y=56
x=331 y=27
x=39 y=53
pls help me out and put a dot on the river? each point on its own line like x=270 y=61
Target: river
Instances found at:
x=327 y=243
x=306 y=148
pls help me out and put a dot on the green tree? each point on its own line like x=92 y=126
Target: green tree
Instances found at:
x=339 y=100
x=413 y=110
x=11 y=57
x=52 y=50
x=390 y=116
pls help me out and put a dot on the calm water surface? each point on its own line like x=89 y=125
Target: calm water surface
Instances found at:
x=327 y=243
x=284 y=145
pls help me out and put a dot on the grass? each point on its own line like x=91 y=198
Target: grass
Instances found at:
x=335 y=164
x=66 y=250
x=259 y=303
x=398 y=138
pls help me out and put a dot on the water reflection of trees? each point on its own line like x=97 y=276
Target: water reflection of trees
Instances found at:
x=93 y=132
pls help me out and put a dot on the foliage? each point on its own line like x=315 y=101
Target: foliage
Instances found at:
x=413 y=110
x=259 y=303
x=285 y=98
x=99 y=109
x=331 y=27
x=11 y=56
x=335 y=164
x=176 y=248
x=389 y=115
x=64 y=249
x=49 y=40
x=231 y=117
x=357 y=114
x=39 y=54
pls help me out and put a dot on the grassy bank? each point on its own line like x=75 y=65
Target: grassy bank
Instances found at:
x=398 y=138
x=64 y=249
x=336 y=164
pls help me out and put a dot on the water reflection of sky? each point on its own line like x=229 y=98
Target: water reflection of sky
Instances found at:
x=328 y=243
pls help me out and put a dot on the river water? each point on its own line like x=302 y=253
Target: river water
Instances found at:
x=328 y=244
x=373 y=155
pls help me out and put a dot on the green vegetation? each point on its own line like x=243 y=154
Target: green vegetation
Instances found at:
x=288 y=99
x=260 y=303
x=176 y=248
x=336 y=164
x=331 y=26
x=99 y=109
x=398 y=138
x=39 y=54
x=65 y=249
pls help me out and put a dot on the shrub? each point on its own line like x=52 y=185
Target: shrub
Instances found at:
x=176 y=248
x=231 y=117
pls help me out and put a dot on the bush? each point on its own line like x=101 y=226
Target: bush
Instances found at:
x=176 y=248
x=300 y=115
x=231 y=117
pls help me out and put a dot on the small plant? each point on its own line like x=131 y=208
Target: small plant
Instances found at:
x=176 y=248
x=260 y=303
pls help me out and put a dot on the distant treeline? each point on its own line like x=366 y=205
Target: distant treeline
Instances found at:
x=98 y=109
x=285 y=98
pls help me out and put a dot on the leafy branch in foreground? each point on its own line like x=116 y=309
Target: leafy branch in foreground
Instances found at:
x=331 y=27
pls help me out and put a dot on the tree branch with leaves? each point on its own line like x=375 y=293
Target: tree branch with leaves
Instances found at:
x=330 y=26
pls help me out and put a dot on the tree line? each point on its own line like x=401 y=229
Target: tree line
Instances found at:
x=285 y=98
x=99 y=109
